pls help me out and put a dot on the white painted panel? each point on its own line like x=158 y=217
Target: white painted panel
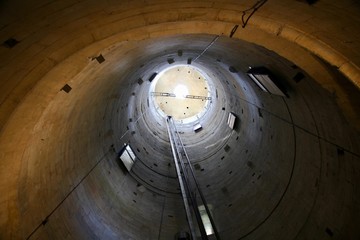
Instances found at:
x=128 y=157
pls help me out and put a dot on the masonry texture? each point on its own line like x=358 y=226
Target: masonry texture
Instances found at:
x=74 y=88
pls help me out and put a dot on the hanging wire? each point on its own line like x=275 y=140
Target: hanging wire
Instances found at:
x=253 y=9
x=128 y=130
x=210 y=44
x=244 y=20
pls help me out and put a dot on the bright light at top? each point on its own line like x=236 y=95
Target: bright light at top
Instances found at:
x=181 y=91
x=170 y=88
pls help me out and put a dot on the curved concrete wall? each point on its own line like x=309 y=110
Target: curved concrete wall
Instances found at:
x=289 y=171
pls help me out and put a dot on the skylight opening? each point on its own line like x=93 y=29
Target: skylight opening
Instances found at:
x=181 y=91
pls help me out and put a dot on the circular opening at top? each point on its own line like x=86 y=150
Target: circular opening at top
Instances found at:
x=182 y=92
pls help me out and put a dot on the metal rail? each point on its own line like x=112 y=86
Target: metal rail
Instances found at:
x=199 y=190
x=198 y=97
x=189 y=186
x=182 y=186
x=165 y=94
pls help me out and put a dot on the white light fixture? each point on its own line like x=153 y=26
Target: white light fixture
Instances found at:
x=261 y=76
x=231 y=120
x=127 y=156
x=197 y=127
x=206 y=220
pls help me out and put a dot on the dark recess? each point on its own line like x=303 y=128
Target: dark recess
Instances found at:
x=233 y=30
x=66 y=88
x=298 y=77
x=329 y=232
x=340 y=151
x=308 y=1
x=250 y=164
x=233 y=69
x=44 y=221
x=100 y=59
x=152 y=77
x=237 y=123
x=10 y=43
x=225 y=190
x=227 y=148
x=197 y=166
